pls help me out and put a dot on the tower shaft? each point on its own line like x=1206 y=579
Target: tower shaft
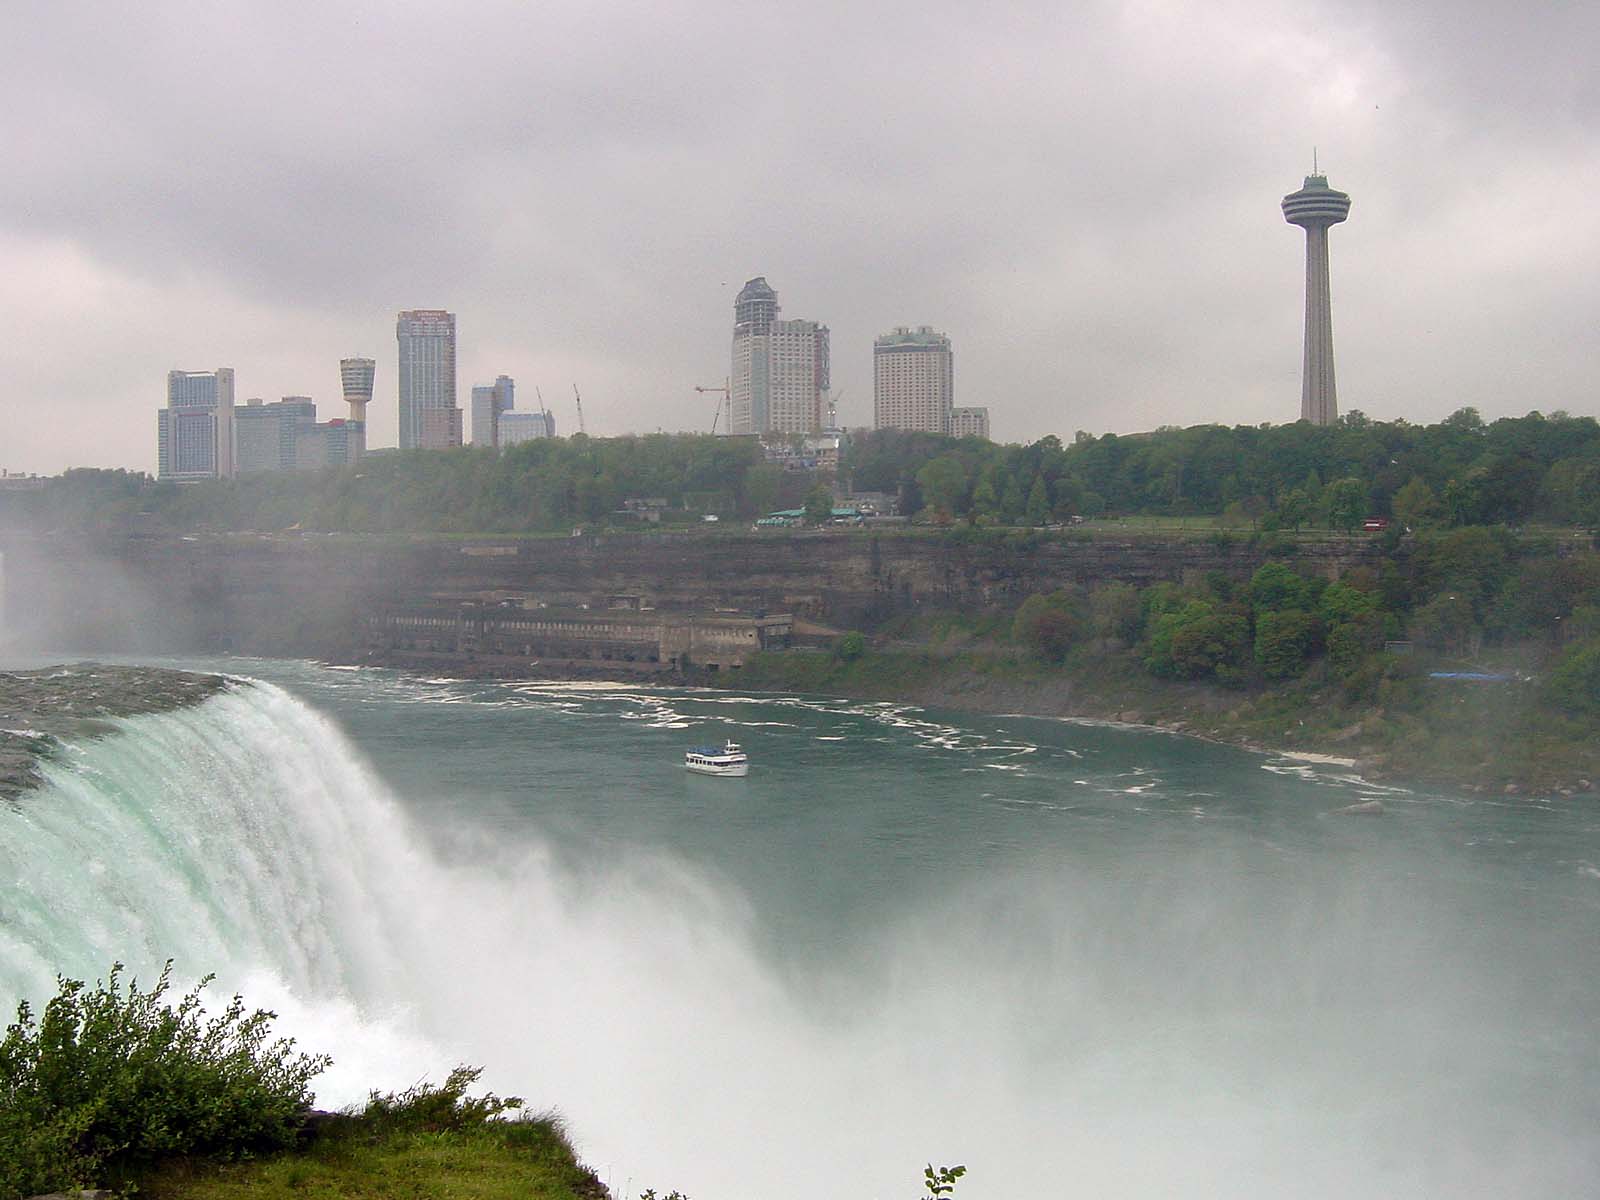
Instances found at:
x=1318 y=396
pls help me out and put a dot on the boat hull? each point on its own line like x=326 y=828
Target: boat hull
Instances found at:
x=726 y=770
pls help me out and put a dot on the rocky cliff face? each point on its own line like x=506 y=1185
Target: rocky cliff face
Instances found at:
x=305 y=594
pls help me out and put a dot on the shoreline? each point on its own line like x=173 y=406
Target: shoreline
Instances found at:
x=1183 y=709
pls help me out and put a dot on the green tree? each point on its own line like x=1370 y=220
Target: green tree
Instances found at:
x=1350 y=642
x=1466 y=499
x=985 y=500
x=1575 y=683
x=1284 y=640
x=1276 y=585
x=1415 y=506
x=1341 y=601
x=1474 y=562
x=1572 y=491
x=1217 y=644
x=1038 y=502
x=1445 y=623
x=1012 y=503
x=761 y=485
x=1196 y=640
x=1115 y=612
x=819 y=505
x=944 y=485
x=1346 y=502
x=1048 y=625
x=1294 y=508
x=852 y=645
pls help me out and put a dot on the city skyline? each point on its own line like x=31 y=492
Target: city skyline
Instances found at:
x=1084 y=200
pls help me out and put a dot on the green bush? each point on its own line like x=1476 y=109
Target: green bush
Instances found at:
x=1351 y=642
x=424 y=1108
x=1283 y=641
x=941 y=1181
x=1116 y=613
x=1277 y=586
x=852 y=645
x=1048 y=625
x=1217 y=644
x=1575 y=683
x=110 y=1078
x=1199 y=641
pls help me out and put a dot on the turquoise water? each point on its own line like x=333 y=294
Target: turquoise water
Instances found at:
x=1094 y=960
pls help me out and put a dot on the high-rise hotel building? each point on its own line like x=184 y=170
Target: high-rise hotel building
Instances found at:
x=780 y=368
x=194 y=433
x=429 y=418
x=913 y=380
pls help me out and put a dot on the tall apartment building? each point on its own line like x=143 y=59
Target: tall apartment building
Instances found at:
x=427 y=338
x=194 y=433
x=780 y=375
x=489 y=400
x=913 y=380
x=355 y=377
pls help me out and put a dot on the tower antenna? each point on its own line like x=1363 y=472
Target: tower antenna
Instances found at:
x=1314 y=169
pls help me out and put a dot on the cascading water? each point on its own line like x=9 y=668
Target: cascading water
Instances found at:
x=1120 y=1017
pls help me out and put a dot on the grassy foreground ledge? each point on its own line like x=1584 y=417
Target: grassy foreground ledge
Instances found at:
x=111 y=1087
x=360 y=1157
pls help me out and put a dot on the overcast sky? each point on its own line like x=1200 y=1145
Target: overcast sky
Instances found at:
x=1083 y=196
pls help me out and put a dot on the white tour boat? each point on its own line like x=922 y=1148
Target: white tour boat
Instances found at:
x=728 y=759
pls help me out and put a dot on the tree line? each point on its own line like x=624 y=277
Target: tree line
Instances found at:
x=541 y=485
x=1459 y=472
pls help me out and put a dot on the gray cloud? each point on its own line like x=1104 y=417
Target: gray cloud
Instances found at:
x=1083 y=196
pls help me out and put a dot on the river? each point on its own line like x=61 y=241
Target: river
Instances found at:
x=1082 y=960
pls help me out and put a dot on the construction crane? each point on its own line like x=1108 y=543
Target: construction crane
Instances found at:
x=727 y=396
x=581 y=427
x=544 y=412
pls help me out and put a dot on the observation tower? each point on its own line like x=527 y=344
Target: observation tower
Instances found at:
x=355 y=374
x=1315 y=207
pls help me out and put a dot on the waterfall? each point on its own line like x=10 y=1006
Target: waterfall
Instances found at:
x=1149 y=1025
